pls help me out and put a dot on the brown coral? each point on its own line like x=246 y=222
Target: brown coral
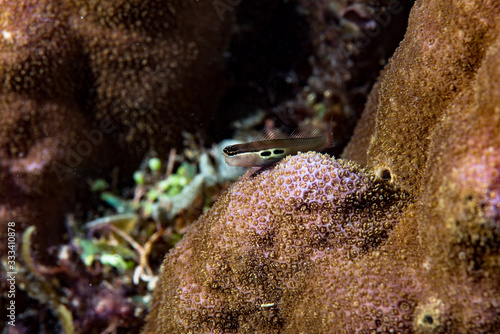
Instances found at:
x=152 y=65
x=84 y=80
x=433 y=131
x=460 y=216
x=250 y=259
x=448 y=45
x=436 y=133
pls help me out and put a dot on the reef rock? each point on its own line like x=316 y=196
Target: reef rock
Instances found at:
x=410 y=243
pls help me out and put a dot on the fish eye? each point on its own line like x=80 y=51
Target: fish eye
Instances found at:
x=265 y=153
x=230 y=150
x=279 y=151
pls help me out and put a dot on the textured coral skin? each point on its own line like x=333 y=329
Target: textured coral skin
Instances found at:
x=30 y=193
x=264 y=241
x=141 y=67
x=437 y=132
x=432 y=140
x=153 y=65
x=442 y=50
x=357 y=147
x=460 y=216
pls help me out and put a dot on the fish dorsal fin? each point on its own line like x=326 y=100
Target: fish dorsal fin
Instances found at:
x=306 y=131
x=268 y=134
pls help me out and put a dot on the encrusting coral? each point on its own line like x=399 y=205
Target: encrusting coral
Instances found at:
x=251 y=258
x=410 y=243
x=441 y=52
x=84 y=85
x=151 y=61
x=460 y=207
x=437 y=134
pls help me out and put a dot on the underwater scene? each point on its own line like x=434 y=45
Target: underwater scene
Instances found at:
x=237 y=166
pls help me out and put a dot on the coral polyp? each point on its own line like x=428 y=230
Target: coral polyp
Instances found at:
x=408 y=243
x=262 y=241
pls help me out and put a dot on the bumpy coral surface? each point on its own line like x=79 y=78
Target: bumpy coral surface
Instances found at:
x=460 y=208
x=86 y=85
x=412 y=246
x=252 y=257
x=436 y=129
x=439 y=57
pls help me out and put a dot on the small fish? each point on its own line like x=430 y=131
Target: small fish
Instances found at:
x=267 y=152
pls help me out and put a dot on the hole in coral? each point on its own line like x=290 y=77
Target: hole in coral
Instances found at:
x=385 y=175
x=428 y=319
x=265 y=153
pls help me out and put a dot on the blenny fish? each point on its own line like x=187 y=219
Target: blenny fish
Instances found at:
x=267 y=152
